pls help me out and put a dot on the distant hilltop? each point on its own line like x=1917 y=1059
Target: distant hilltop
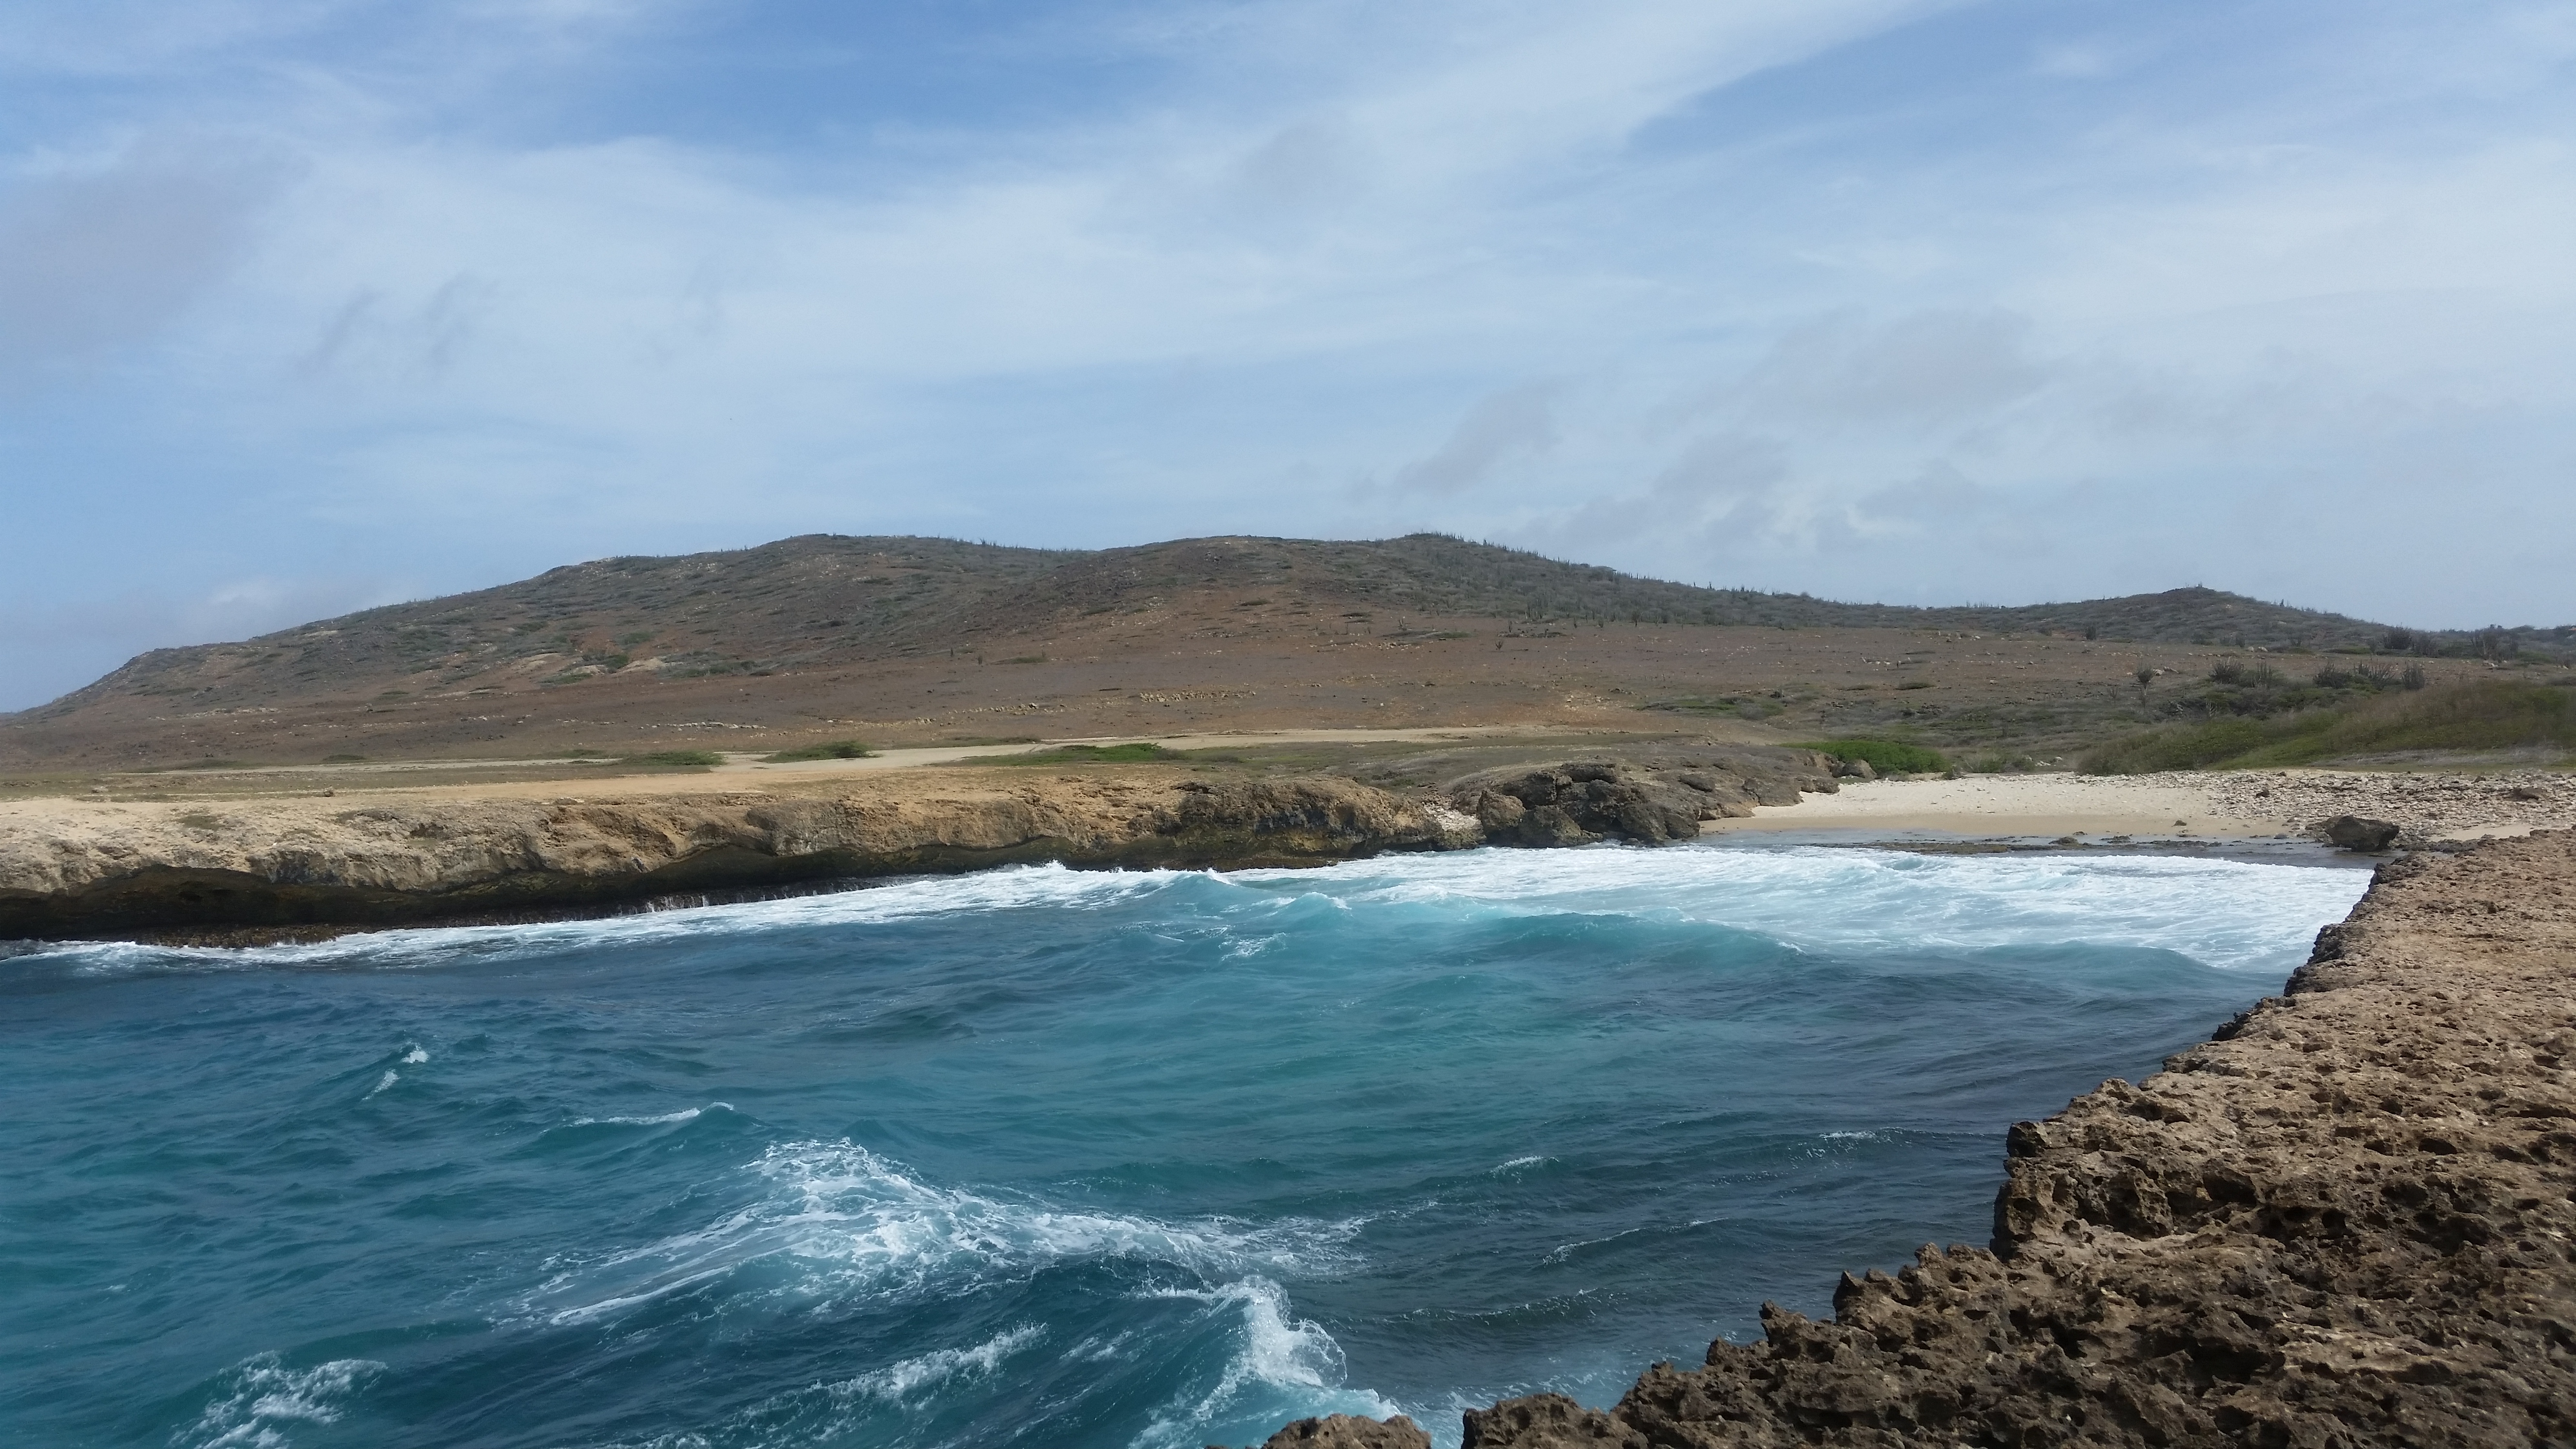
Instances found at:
x=819 y=599
x=822 y=638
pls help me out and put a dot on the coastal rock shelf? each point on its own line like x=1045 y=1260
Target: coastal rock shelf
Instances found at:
x=272 y=864
x=258 y=868
x=2345 y=1222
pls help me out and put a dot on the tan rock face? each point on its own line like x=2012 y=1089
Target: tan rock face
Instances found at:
x=1649 y=800
x=235 y=870
x=84 y=869
x=1350 y=1431
x=2347 y=1222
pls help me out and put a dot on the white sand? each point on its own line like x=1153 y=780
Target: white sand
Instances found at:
x=2223 y=805
x=2046 y=806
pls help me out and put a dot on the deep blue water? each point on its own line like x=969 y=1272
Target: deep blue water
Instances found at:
x=1053 y=1158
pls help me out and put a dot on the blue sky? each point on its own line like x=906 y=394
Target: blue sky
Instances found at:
x=312 y=304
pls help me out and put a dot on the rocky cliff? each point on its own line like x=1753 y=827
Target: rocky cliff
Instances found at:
x=2345 y=1222
x=245 y=869
x=273 y=864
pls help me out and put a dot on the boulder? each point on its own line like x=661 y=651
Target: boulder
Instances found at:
x=1499 y=813
x=2360 y=833
x=1650 y=798
x=1854 y=770
x=1350 y=1431
x=1546 y=1421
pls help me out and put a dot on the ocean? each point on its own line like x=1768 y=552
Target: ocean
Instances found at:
x=1059 y=1158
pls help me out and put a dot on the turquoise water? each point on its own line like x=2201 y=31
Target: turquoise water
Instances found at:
x=1053 y=1158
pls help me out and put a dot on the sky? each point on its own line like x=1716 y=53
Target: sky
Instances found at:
x=310 y=305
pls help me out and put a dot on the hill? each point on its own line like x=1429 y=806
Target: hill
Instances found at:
x=902 y=635
x=811 y=601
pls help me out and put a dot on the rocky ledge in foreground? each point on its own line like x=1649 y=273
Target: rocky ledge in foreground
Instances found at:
x=259 y=868
x=2346 y=1222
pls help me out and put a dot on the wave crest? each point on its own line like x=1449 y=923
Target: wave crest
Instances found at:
x=853 y=1222
x=258 y=1399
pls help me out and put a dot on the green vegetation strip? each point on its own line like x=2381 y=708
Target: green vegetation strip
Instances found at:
x=2478 y=716
x=1135 y=754
x=676 y=759
x=1884 y=756
x=836 y=750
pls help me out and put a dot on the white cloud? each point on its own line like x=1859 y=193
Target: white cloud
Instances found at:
x=1516 y=422
x=97 y=255
x=1335 y=242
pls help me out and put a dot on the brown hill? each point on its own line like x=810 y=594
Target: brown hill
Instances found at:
x=907 y=636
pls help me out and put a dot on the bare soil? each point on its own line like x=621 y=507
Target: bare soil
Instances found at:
x=918 y=643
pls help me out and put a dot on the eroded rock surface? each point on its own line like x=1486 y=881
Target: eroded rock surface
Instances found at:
x=1646 y=801
x=2427 y=807
x=2347 y=1222
x=218 y=870
x=282 y=863
x=1350 y=1431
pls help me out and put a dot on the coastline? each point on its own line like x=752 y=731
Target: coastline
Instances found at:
x=296 y=865
x=2344 y=1220
x=238 y=872
x=2223 y=806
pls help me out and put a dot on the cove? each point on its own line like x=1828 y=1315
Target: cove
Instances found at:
x=1051 y=1157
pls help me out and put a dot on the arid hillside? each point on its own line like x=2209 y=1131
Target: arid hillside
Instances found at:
x=910 y=640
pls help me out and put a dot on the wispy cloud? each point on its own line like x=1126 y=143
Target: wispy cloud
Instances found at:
x=1878 y=298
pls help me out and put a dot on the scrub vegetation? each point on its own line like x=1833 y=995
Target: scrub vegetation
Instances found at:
x=2476 y=717
x=1888 y=757
x=1130 y=754
x=836 y=750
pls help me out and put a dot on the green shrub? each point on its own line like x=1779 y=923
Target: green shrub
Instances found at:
x=836 y=750
x=2184 y=747
x=1884 y=756
x=676 y=759
x=1139 y=753
x=2474 y=716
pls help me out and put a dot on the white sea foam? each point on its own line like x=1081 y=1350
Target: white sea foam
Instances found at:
x=1100 y=1350
x=258 y=1400
x=2227 y=914
x=415 y=1057
x=388 y=1079
x=1292 y=1359
x=685 y=1114
x=901 y=1381
x=853 y=1223
x=1008 y=888
x=847 y=1410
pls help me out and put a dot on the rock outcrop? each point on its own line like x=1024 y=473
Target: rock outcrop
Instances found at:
x=255 y=868
x=278 y=864
x=2345 y=1222
x=1582 y=801
x=1350 y=1431
x=2359 y=833
x=2427 y=807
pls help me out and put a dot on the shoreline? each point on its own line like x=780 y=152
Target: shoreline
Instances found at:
x=244 y=870
x=2346 y=1219
x=2220 y=805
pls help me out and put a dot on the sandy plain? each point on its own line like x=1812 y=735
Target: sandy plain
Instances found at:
x=2051 y=806
x=2225 y=805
